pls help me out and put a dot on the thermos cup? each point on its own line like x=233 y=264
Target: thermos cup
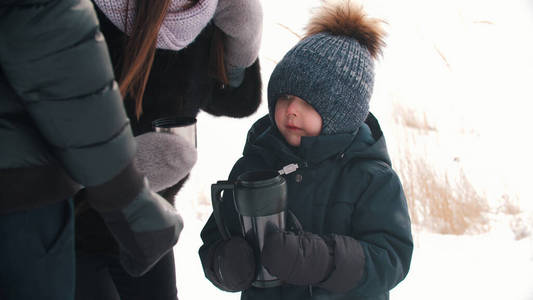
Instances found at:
x=260 y=198
x=182 y=126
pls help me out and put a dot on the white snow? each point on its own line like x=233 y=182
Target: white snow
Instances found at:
x=468 y=66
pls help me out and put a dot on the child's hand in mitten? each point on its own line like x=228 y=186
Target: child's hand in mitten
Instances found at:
x=164 y=158
x=299 y=259
x=231 y=264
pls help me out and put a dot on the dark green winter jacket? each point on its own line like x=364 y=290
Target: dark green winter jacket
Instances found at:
x=345 y=187
x=62 y=121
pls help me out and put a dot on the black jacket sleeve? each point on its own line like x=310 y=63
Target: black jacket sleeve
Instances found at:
x=237 y=102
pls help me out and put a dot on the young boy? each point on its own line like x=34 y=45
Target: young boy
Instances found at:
x=354 y=241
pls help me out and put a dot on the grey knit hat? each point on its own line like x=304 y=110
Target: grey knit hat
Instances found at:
x=332 y=68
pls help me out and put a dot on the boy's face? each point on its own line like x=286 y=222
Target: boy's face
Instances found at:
x=296 y=118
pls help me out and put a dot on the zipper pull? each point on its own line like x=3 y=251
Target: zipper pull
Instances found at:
x=288 y=169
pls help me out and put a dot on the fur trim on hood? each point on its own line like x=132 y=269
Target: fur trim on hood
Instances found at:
x=347 y=18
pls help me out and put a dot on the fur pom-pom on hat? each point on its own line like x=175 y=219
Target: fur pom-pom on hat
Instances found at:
x=348 y=18
x=332 y=67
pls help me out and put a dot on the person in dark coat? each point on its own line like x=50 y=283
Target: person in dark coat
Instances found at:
x=63 y=128
x=352 y=235
x=212 y=66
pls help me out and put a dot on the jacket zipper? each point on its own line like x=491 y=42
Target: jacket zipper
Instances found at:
x=286 y=170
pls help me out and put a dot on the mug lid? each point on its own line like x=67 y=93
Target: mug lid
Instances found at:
x=259 y=178
x=169 y=122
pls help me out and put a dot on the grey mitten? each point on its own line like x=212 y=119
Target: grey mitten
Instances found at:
x=164 y=158
x=145 y=225
x=242 y=23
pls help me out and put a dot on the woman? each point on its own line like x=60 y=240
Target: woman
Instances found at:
x=63 y=127
x=177 y=57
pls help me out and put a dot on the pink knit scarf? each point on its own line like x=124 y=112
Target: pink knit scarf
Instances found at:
x=180 y=27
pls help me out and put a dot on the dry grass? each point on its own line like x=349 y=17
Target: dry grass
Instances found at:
x=520 y=228
x=509 y=205
x=518 y=219
x=439 y=203
x=410 y=118
x=290 y=30
x=443 y=57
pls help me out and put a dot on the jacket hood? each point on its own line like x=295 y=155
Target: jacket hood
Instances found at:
x=367 y=143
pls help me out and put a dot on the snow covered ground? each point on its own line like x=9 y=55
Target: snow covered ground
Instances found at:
x=465 y=65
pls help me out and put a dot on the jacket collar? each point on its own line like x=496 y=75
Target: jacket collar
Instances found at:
x=315 y=149
x=367 y=142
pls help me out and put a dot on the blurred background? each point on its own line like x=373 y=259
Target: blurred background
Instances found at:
x=453 y=95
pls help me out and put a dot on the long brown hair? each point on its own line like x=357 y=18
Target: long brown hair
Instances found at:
x=140 y=47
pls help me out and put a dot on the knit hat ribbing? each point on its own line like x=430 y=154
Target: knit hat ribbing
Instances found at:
x=332 y=69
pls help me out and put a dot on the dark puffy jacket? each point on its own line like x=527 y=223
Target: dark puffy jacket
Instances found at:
x=62 y=122
x=344 y=186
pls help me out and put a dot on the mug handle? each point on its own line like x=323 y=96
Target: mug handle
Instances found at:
x=216 y=199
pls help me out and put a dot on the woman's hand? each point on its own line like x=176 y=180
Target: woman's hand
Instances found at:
x=164 y=158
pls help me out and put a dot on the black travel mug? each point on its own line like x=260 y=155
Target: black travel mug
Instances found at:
x=260 y=198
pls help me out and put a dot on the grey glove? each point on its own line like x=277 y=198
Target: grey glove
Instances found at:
x=146 y=229
x=242 y=24
x=164 y=158
x=144 y=224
